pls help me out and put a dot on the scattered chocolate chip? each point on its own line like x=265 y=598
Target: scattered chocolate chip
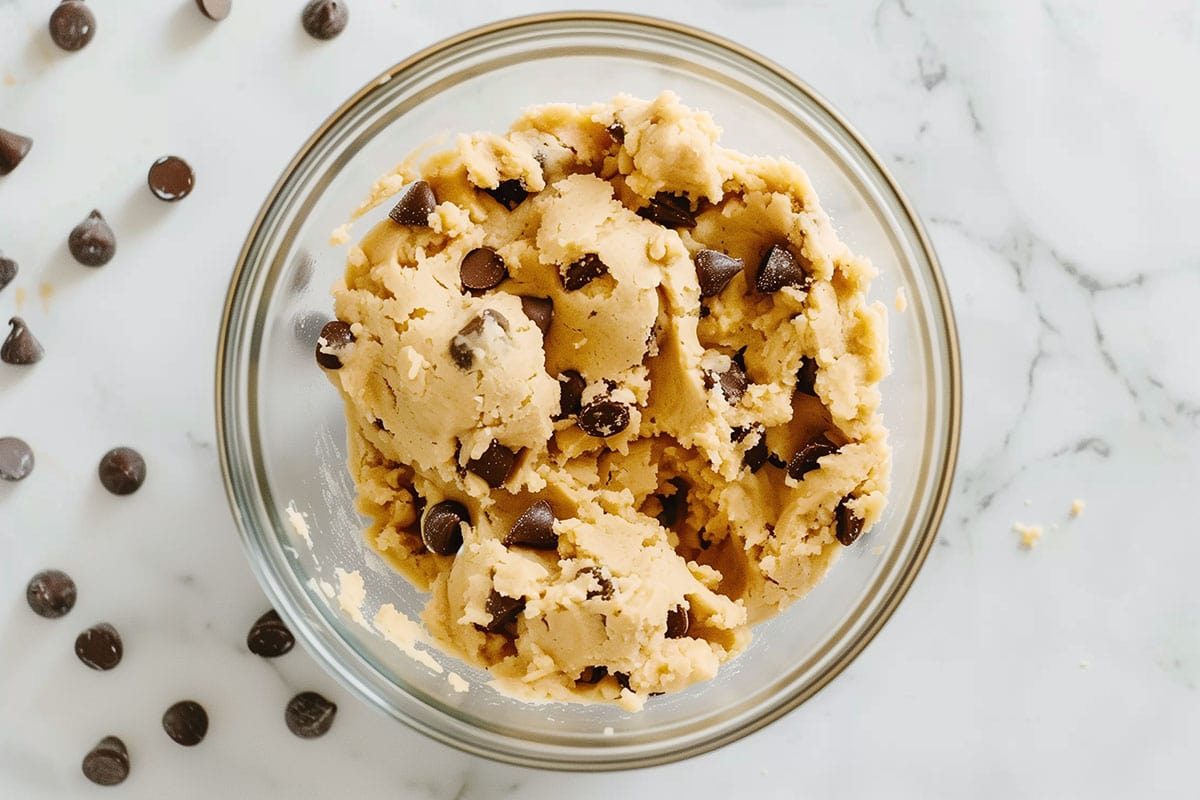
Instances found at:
x=336 y=335
x=495 y=465
x=605 y=591
x=50 y=593
x=715 y=270
x=441 y=527
x=99 y=646
x=107 y=764
x=13 y=149
x=540 y=311
x=482 y=269
x=8 y=271
x=122 y=470
x=603 y=418
x=72 y=25
x=170 y=178
x=21 y=347
x=186 y=723
x=570 y=393
x=756 y=455
x=503 y=610
x=534 y=528
x=415 y=205
x=775 y=460
x=269 y=637
x=806 y=377
x=677 y=622
x=675 y=505
x=806 y=458
x=582 y=272
x=216 y=10
x=592 y=674
x=617 y=132
x=623 y=680
x=705 y=311
x=669 y=210
x=92 y=241
x=510 y=193
x=309 y=715
x=849 y=524
x=465 y=342
x=325 y=19
x=733 y=382
x=780 y=268
x=16 y=459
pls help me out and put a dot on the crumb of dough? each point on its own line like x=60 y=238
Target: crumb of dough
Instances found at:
x=1077 y=506
x=608 y=730
x=340 y=234
x=298 y=523
x=1029 y=534
x=901 y=299
x=457 y=682
x=405 y=634
x=352 y=593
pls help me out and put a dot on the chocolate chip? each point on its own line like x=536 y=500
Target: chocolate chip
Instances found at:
x=570 y=393
x=534 y=528
x=309 y=715
x=16 y=459
x=622 y=680
x=482 y=269
x=780 y=268
x=170 y=178
x=99 y=646
x=582 y=272
x=13 y=149
x=510 y=193
x=470 y=337
x=806 y=377
x=617 y=132
x=216 y=10
x=733 y=382
x=107 y=764
x=415 y=205
x=50 y=593
x=604 y=418
x=592 y=674
x=677 y=622
x=336 y=335
x=775 y=460
x=495 y=465
x=805 y=459
x=849 y=524
x=186 y=723
x=675 y=505
x=325 y=19
x=669 y=210
x=605 y=591
x=8 y=271
x=715 y=270
x=540 y=311
x=503 y=610
x=72 y=25
x=21 y=347
x=122 y=470
x=92 y=241
x=269 y=637
x=441 y=527
x=756 y=455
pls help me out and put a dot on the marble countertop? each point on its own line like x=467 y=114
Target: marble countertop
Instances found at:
x=1051 y=148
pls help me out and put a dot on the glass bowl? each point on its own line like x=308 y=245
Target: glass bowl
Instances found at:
x=282 y=436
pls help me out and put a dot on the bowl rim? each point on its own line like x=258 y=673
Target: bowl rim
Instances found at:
x=939 y=498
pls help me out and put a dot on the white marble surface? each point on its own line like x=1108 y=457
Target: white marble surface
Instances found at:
x=1052 y=147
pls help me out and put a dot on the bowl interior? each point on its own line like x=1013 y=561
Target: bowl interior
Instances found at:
x=283 y=431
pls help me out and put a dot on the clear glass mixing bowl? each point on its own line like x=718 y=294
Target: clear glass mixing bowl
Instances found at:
x=281 y=430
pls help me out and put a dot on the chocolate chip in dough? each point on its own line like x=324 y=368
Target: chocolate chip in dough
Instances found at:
x=603 y=418
x=605 y=590
x=72 y=25
x=534 y=528
x=99 y=647
x=16 y=459
x=623 y=680
x=186 y=722
x=582 y=272
x=677 y=622
x=107 y=764
x=669 y=210
x=510 y=193
x=21 y=347
x=13 y=149
x=733 y=382
x=570 y=393
x=269 y=637
x=806 y=377
x=309 y=715
x=592 y=675
x=216 y=10
x=414 y=206
x=8 y=271
x=806 y=458
x=757 y=454
x=325 y=19
x=617 y=132
x=170 y=178
x=780 y=268
x=849 y=524
x=503 y=610
x=336 y=335
x=122 y=470
x=540 y=311
x=714 y=271
x=482 y=269
x=92 y=242
x=495 y=465
x=674 y=506
x=465 y=342
x=441 y=527
x=50 y=593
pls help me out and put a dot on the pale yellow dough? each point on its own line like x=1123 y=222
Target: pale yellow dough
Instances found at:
x=746 y=544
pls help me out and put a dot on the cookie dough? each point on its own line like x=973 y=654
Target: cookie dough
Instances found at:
x=612 y=395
